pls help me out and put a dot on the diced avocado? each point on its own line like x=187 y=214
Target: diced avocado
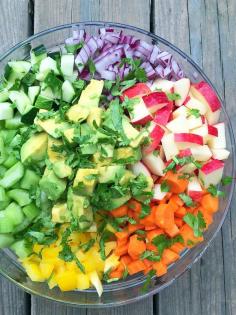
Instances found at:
x=136 y=137
x=108 y=174
x=149 y=188
x=52 y=126
x=69 y=134
x=61 y=169
x=77 y=113
x=95 y=116
x=35 y=148
x=86 y=130
x=54 y=156
x=139 y=140
x=79 y=206
x=128 y=175
x=90 y=96
x=107 y=150
x=117 y=202
x=88 y=178
x=127 y=155
x=60 y=213
x=88 y=148
x=29 y=180
x=101 y=161
x=52 y=185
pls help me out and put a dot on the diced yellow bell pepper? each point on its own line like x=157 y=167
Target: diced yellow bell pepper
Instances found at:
x=111 y=262
x=33 y=271
x=37 y=248
x=66 y=280
x=109 y=246
x=50 y=252
x=46 y=269
x=83 y=282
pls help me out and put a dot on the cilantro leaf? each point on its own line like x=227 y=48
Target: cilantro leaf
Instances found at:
x=53 y=82
x=227 y=180
x=148 y=280
x=86 y=246
x=194 y=112
x=173 y=96
x=187 y=200
x=150 y=255
x=129 y=103
x=169 y=167
x=91 y=66
x=104 y=237
x=162 y=242
x=215 y=192
x=197 y=223
x=164 y=186
x=145 y=211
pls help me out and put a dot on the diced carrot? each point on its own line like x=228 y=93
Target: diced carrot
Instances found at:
x=120 y=211
x=151 y=247
x=150 y=227
x=148 y=263
x=173 y=231
x=180 y=212
x=135 y=205
x=164 y=200
x=173 y=205
x=136 y=266
x=133 y=214
x=164 y=216
x=169 y=256
x=177 y=200
x=126 y=259
x=136 y=247
x=120 y=243
x=147 y=270
x=177 y=248
x=122 y=235
x=134 y=227
x=149 y=219
x=153 y=233
x=179 y=222
x=189 y=239
x=210 y=203
x=177 y=185
x=116 y=274
x=122 y=250
x=160 y=268
x=120 y=267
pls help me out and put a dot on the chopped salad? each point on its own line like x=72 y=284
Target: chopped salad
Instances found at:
x=110 y=160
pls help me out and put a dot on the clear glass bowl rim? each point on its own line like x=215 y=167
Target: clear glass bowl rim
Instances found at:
x=231 y=135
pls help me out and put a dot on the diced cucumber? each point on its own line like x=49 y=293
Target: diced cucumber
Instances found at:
x=4 y=199
x=6 y=111
x=20 y=227
x=7 y=135
x=48 y=64
x=21 y=100
x=29 y=180
x=2 y=170
x=21 y=249
x=4 y=95
x=67 y=64
x=31 y=211
x=33 y=92
x=14 y=213
x=3 y=155
x=12 y=175
x=37 y=54
x=21 y=196
x=68 y=92
x=10 y=161
x=88 y=148
x=6 y=240
x=14 y=123
x=43 y=102
x=20 y=67
x=6 y=225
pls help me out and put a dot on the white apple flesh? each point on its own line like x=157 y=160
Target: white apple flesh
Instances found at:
x=164 y=85
x=194 y=122
x=178 y=124
x=220 y=141
x=194 y=189
x=202 y=153
x=154 y=163
x=157 y=193
x=180 y=111
x=220 y=154
x=181 y=87
x=140 y=114
x=211 y=173
x=192 y=103
x=169 y=146
x=139 y=168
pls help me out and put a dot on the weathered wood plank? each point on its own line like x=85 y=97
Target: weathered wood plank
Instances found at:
x=65 y=11
x=14 y=26
x=192 y=26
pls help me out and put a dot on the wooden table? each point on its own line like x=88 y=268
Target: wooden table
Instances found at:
x=204 y=29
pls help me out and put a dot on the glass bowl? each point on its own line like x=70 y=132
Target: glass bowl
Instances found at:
x=130 y=290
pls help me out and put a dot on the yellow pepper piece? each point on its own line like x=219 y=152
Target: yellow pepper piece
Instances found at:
x=83 y=282
x=46 y=269
x=66 y=280
x=33 y=271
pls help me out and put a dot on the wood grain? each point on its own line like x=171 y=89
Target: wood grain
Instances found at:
x=134 y=12
x=15 y=26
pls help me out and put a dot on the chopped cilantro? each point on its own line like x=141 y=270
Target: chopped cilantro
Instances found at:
x=186 y=199
x=227 y=180
x=129 y=103
x=125 y=273
x=190 y=243
x=140 y=232
x=173 y=96
x=164 y=186
x=53 y=82
x=197 y=223
x=78 y=84
x=169 y=167
x=86 y=246
x=215 y=192
x=74 y=48
x=194 y=112
x=91 y=176
x=91 y=66
x=104 y=237
x=150 y=255
x=162 y=242
x=145 y=211
x=148 y=280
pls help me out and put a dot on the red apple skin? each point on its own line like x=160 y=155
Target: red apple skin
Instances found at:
x=209 y=94
x=163 y=115
x=188 y=137
x=184 y=153
x=213 y=131
x=212 y=166
x=138 y=89
x=156 y=135
x=155 y=100
x=186 y=100
x=195 y=195
x=203 y=119
x=142 y=121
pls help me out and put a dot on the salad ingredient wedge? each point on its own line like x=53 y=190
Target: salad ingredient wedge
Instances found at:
x=110 y=161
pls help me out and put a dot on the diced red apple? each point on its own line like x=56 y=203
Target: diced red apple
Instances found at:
x=187 y=140
x=194 y=122
x=140 y=114
x=211 y=173
x=139 y=168
x=169 y=146
x=206 y=95
x=181 y=87
x=155 y=101
x=188 y=168
x=157 y=193
x=220 y=141
x=220 y=154
x=162 y=115
x=192 y=103
x=180 y=111
x=155 y=135
x=178 y=124
x=161 y=84
x=206 y=131
x=194 y=189
x=139 y=89
x=202 y=153
x=154 y=163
